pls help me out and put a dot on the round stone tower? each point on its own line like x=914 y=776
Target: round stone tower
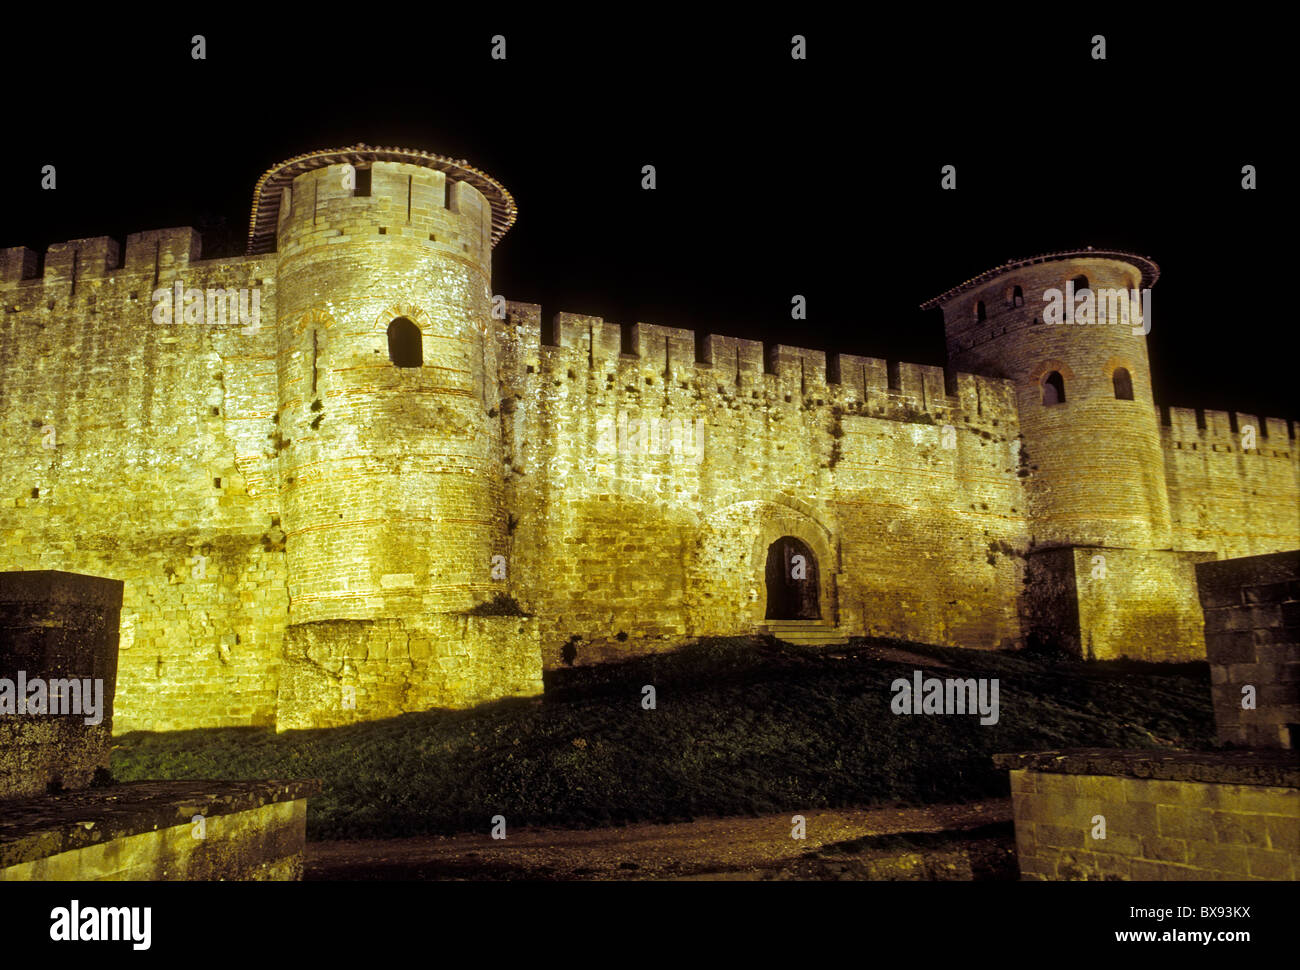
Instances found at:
x=1091 y=451
x=387 y=442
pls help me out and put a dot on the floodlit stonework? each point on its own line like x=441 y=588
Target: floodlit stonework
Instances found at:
x=310 y=533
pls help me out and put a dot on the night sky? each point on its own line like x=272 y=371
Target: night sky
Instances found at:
x=775 y=176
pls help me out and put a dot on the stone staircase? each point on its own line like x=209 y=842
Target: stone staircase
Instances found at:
x=806 y=633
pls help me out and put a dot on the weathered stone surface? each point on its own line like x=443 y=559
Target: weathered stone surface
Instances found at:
x=1252 y=640
x=34 y=828
x=147 y=830
x=243 y=482
x=1155 y=816
x=339 y=672
x=60 y=629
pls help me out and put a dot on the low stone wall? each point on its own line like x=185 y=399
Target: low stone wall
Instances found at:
x=1252 y=639
x=339 y=672
x=1166 y=816
x=59 y=631
x=250 y=830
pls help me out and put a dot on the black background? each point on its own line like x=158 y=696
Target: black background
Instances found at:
x=775 y=176
x=634 y=924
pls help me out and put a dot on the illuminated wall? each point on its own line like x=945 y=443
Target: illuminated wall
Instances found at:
x=301 y=524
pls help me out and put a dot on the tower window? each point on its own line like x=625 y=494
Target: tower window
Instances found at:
x=363 y=182
x=1080 y=283
x=1123 y=384
x=980 y=315
x=405 y=347
x=1017 y=297
x=1054 y=388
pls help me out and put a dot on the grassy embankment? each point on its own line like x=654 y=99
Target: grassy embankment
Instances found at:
x=741 y=726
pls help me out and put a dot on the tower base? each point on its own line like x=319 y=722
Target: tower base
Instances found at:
x=338 y=672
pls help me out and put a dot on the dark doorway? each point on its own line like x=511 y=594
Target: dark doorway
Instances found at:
x=792 y=581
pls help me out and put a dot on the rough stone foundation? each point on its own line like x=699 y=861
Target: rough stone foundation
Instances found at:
x=342 y=671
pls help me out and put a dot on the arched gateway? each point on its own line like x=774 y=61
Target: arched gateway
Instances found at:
x=792 y=581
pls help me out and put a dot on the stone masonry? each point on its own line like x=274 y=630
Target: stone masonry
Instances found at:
x=1155 y=816
x=59 y=630
x=1252 y=640
x=329 y=513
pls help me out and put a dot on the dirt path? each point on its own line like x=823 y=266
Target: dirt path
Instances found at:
x=931 y=842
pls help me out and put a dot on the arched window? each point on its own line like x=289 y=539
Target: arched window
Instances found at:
x=1123 y=384
x=1080 y=283
x=404 y=344
x=1017 y=297
x=979 y=311
x=1054 y=388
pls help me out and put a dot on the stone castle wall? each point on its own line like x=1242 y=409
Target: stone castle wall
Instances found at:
x=242 y=481
x=155 y=472
x=663 y=540
x=1228 y=499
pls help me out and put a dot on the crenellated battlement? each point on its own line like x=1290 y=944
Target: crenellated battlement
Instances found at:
x=1196 y=429
x=273 y=189
x=158 y=253
x=384 y=202
x=570 y=345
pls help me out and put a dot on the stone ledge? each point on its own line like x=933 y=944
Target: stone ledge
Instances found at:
x=35 y=828
x=1274 y=769
x=1263 y=570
